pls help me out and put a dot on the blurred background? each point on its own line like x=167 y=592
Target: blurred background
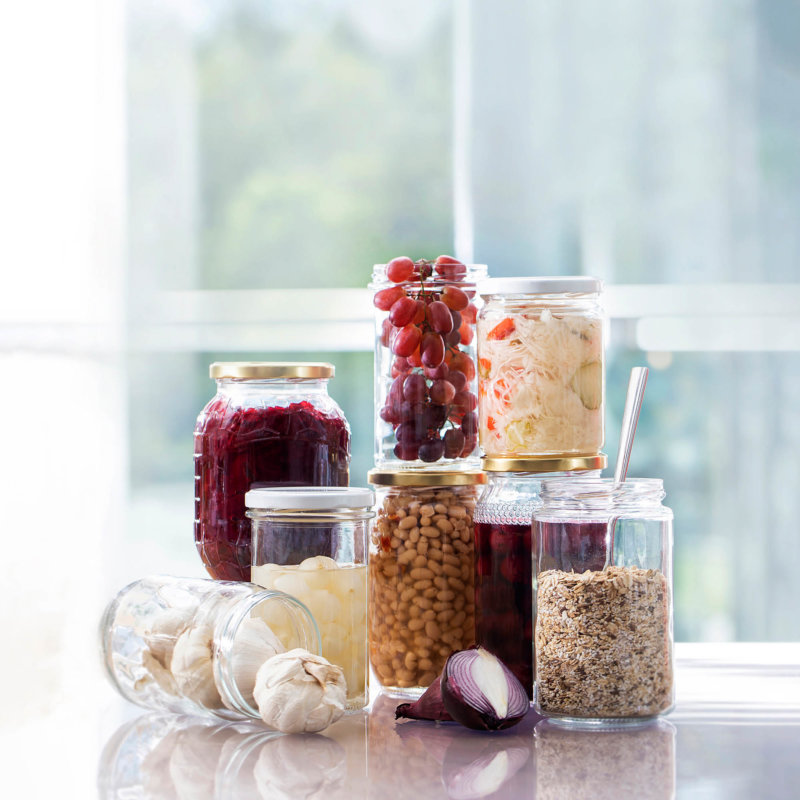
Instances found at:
x=193 y=180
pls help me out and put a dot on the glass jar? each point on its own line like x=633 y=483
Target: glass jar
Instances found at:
x=503 y=556
x=270 y=424
x=541 y=367
x=312 y=543
x=421 y=572
x=425 y=366
x=193 y=646
x=603 y=601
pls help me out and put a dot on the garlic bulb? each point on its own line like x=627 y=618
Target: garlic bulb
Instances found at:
x=298 y=692
x=253 y=644
x=192 y=667
x=164 y=631
x=155 y=672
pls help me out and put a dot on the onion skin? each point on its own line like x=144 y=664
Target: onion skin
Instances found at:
x=461 y=710
x=428 y=706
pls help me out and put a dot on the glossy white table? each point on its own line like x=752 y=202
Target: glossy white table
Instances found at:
x=735 y=733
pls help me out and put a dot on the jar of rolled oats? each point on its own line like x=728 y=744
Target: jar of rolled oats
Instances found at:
x=603 y=601
x=420 y=574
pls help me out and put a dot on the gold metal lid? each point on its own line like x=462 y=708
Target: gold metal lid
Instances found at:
x=418 y=477
x=261 y=370
x=549 y=464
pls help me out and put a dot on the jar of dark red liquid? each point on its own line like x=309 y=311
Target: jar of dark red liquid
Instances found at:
x=270 y=424
x=503 y=556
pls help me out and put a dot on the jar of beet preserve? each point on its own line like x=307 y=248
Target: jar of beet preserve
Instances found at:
x=603 y=601
x=425 y=363
x=503 y=565
x=270 y=424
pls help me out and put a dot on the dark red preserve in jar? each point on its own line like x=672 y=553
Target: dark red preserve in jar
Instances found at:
x=270 y=424
x=504 y=558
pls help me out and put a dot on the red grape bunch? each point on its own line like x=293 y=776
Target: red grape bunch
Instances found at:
x=430 y=324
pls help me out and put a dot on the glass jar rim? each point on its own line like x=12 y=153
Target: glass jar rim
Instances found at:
x=474 y=271
x=548 y=284
x=597 y=492
x=262 y=370
x=285 y=499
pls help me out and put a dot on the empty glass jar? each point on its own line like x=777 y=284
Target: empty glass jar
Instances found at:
x=603 y=601
x=194 y=646
x=311 y=542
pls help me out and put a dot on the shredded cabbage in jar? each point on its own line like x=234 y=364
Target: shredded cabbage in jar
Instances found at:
x=540 y=384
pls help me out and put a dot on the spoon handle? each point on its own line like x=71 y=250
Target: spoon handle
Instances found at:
x=633 y=405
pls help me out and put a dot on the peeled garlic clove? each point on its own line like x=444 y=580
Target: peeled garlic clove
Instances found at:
x=253 y=644
x=298 y=692
x=192 y=667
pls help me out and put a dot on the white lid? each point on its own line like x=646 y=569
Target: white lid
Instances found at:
x=309 y=498
x=555 y=284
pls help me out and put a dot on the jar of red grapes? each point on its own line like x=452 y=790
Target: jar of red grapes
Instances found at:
x=269 y=424
x=425 y=363
x=420 y=577
x=503 y=567
x=541 y=367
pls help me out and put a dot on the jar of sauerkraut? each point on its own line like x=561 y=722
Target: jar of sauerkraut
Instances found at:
x=541 y=367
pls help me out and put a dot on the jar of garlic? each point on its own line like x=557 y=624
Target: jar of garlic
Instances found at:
x=311 y=542
x=194 y=646
x=421 y=574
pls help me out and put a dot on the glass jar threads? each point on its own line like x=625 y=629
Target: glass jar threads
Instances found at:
x=270 y=424
x=603 y=601
x=425 y=363
x=421 y=572
x=503 y=554
x=541 y=367
x=311 y=542
x=194 y=646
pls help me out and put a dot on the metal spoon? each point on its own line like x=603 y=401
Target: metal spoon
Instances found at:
x=630 y=418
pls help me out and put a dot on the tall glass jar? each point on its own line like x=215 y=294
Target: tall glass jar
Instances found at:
x=269 y=424
x=311 y=543
x=193 y=646
x=541 y=367
x=425 y=364
x=603 y=638
x=421 y=568
x=503 y=554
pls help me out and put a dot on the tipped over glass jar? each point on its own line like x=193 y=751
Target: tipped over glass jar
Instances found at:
x=603 y=601
x=425 y=363
x=270 y=424
x=541 y=367
x=194 y=646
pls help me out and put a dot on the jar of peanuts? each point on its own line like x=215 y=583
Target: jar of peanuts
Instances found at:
x=420 y=574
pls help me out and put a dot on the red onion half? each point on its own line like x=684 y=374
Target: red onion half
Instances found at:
x=481 y=692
